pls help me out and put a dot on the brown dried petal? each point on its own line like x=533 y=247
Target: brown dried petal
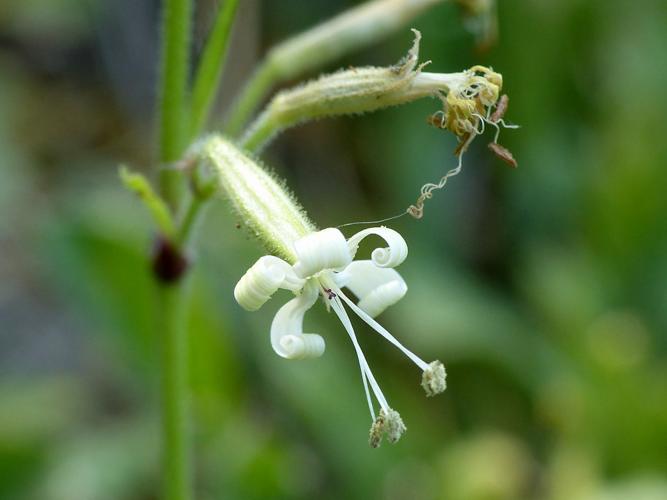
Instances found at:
x=503 y=153
x=436 y=120
x=501 y=108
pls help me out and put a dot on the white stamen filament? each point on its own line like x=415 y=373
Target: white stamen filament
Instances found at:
x=338 y=308
x=364 y=379
x=382 y=331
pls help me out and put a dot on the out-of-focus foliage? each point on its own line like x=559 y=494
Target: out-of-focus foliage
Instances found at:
x=544 y=290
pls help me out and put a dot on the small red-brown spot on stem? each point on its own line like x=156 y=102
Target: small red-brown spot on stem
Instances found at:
x=168 y=263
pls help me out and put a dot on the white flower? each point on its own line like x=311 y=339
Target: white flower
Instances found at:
x=324 y=265
x=314 y=263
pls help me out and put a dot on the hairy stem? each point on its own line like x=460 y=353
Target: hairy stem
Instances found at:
x=314 y=48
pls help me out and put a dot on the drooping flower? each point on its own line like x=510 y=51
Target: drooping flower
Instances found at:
x=353 y=29
x=315 y=263
x=470 y=100
x=467 y=96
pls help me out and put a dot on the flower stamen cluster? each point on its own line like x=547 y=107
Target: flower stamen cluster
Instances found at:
x=468 y=107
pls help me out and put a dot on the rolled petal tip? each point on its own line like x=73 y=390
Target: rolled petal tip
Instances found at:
x=392 y=255
x=263 y=279
x=434 y=378
x=287 y=337
x=303 y=346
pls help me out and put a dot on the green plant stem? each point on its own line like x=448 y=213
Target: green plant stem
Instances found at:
x=173 y=122
x=175 y=421
x=210 y=68
x=190 y=219
x=259 y=133
x=320 y=45
x=174 y=72
x=253 y=93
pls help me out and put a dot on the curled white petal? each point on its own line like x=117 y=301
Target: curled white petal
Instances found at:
x=391 y=256
x=287 y=337
x=326 y=249
x=376 y=288
x=263 y=279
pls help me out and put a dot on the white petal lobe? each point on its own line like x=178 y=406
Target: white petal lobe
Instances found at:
x=263 y=279
x=326 y=249
x=382 y=297
x=287 y=337
x=376 y=288
x=302 y=346
x=391 y=256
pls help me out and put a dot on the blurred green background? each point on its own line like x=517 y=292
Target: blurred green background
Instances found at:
x=543 y=290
